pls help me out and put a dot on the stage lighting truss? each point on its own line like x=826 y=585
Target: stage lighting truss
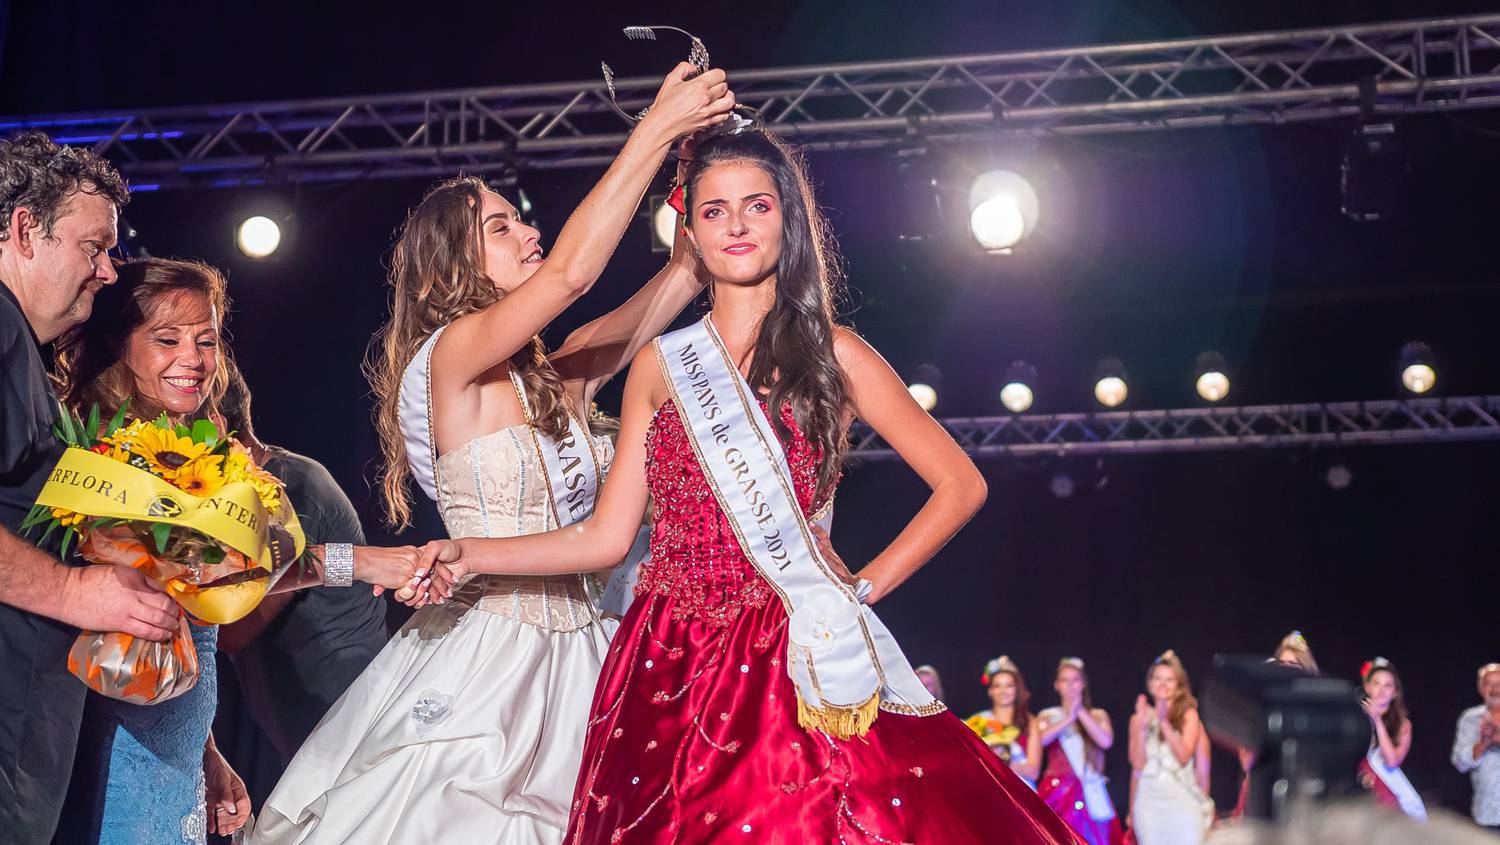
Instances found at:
x=1268 y=77
x=1203 y=429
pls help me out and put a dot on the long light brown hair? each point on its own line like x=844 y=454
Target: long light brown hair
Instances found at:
x=1182 y=700
x=437 y=276
x=1095 y=753
x=793 y=357
x=91 y=356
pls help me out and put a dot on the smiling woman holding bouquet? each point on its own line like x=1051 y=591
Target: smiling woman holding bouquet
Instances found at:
x=154 y=347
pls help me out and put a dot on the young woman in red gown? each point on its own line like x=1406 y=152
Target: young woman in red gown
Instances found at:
x=694 y=734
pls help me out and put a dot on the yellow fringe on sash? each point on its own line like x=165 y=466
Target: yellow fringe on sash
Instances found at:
x=840 y=722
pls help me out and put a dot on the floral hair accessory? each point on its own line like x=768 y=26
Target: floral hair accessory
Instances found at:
x=1370 y=666
x=995 y=667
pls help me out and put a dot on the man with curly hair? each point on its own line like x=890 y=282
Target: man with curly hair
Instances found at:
x=58 y=207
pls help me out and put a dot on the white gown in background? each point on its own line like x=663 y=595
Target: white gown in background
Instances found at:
x=1170 y=807
x=469 y=726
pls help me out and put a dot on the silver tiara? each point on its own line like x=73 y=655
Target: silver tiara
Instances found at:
x=742 y=118
x=697 y=57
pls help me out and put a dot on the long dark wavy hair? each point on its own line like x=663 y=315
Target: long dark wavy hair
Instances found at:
x=1395 y=715
x=793 y=359
x=436 y=276
x=90 y=365
x=1021 y=710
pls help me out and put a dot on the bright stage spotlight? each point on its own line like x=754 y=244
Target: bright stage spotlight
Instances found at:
x=1002 y=210
x=663 y=225
x=1110 y=388
x=258 y=236
x=1418 y=369
x=1017 y=394
x=925 y=394
x=924 y=385
x=1212 y=377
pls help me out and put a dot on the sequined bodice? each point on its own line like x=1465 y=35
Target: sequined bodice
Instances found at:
x=695 y=558
x=493 y=486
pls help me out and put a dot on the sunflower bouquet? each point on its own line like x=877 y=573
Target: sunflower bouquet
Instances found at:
x=996 y=735
x=188 y=507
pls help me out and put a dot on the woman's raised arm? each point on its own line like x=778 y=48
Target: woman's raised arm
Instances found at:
x=478 y=342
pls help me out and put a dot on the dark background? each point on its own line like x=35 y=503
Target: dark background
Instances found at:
x=1152 y=248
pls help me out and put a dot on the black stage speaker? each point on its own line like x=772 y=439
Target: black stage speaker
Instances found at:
x=1308 y=733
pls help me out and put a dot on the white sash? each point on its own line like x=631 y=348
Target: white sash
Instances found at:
x=1095 y=793
x=415 y=416
x=1395 y=780
x=845 y=664
x=570 y=467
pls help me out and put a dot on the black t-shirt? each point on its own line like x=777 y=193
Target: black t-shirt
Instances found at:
x=320 y=642
x=40 y=702
x=28 y=408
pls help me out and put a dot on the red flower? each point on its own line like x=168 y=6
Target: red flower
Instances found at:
x=100 y=448
x=675 y=199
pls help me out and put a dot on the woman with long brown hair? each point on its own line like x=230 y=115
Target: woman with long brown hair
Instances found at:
x=469 y=725
x=709 y=722
x=1006 y=725
x=1380 y=771
x=1073 y=736
x=1167 y=804
x=151 y=772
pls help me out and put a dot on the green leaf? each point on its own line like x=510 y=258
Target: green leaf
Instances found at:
x=42 y=540
x=38 y=515
x=118 y=419
x=162 y=422
x=160 y=532
x=91 y=428
x=68 y=535
x=65 y=420
x=213 y=555
x=204 y=431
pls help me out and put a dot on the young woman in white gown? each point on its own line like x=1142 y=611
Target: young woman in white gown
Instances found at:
x=469 y=725
x=1168 y=804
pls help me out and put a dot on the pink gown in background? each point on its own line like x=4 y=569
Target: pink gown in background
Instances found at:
x=1062 y=789
x=693 y=735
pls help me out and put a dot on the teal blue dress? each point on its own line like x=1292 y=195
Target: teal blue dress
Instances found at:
x=138 y=776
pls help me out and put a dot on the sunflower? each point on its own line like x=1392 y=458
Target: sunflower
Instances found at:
x=239 y=468
x=164 y=451
x=200 y=476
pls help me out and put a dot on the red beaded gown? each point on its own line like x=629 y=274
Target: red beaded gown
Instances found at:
x=693 y=735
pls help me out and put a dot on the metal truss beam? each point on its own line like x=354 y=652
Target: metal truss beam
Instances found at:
x=1269 y=77
x=1201 y=429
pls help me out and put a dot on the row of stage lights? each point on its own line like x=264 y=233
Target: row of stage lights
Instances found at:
x=1003 y=209
x=1111 y=386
